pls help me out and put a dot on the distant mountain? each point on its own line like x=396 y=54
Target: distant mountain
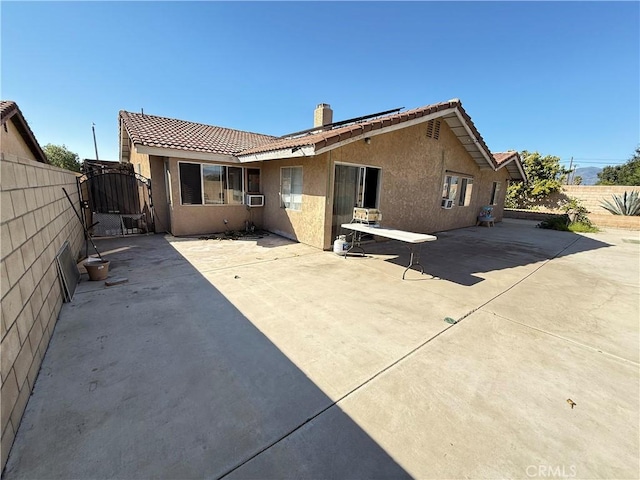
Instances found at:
x=589 y=175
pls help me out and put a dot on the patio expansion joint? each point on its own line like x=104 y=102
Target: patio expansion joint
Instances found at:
x=392 y=365
x=337 y=401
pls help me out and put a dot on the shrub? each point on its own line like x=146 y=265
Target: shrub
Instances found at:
x=556 y=222
x=626 y=204
x=573 y=220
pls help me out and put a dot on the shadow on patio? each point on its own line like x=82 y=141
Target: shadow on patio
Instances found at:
x=163 y=377
x=478 y=250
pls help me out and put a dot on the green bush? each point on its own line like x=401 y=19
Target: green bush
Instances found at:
x=574 y=219
x=556 y=222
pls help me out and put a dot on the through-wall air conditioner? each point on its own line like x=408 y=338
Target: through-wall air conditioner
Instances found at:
x=447 y=203
x=255 y=200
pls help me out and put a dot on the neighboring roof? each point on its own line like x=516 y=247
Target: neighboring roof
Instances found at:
x=9 y=110
x=512 y=162
x=162 y=132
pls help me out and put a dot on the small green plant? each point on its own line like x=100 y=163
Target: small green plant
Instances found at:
x=576 y=211
x=580 y=227
x=626 y=204
x=574 y=219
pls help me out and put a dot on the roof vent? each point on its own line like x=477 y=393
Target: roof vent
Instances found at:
x=433 y=129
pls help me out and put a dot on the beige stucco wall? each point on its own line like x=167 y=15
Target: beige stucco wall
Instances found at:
x=13 y=143
x=308 y=224
x=36 y=220
x=140 y=162
x=205 y=219
x=413 y=169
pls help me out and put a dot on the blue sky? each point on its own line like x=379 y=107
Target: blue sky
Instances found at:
x=559 y=78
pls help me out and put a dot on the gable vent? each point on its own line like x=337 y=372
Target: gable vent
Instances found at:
x=433 y=129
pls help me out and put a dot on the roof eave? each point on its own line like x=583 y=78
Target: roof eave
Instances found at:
x=280 y=154
x=186 y=154
x=23 y=128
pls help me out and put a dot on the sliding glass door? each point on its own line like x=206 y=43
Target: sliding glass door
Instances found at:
x=354 y=186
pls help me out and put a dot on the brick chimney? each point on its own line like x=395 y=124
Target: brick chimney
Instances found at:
x=322 y=115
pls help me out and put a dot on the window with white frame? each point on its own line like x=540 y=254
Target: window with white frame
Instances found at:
x=495 y=190
x=466 y=188
x=208 y=184
x=457 y=189
x=291 y=187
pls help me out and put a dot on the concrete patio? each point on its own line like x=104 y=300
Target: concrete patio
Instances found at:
x=266 y=358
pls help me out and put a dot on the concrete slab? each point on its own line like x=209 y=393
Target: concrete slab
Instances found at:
x=486 y=399
x=267 y=358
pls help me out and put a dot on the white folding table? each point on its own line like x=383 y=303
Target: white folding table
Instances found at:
x=411 y=238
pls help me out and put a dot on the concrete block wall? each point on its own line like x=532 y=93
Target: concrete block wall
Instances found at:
x=592 y=195
x=36 y=218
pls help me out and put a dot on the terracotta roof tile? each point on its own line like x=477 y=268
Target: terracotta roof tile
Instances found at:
x=7 y=109
x=154 y=131
x=501 y=157
x=329 y=137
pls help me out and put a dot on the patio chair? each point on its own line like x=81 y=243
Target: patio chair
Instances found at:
x=486 y=216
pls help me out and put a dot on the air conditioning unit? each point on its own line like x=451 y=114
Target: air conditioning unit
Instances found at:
x=255 y=200
x=447 y=203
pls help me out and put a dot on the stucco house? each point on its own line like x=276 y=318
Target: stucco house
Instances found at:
x=426 y=169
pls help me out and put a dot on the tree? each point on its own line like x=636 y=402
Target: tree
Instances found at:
x=544 y=176
x=61 y=156
x=626 y=174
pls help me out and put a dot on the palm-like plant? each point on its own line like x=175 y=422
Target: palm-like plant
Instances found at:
x=626 y=204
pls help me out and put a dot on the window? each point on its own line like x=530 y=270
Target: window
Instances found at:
x=457 y=189
x=450 y=187
x=207 y=184
x=291 y=187
x=190 y=184
x=495 y=189
x=253 y=180
x=466 y=187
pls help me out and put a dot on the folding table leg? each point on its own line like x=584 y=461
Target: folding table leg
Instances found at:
x=414 y=260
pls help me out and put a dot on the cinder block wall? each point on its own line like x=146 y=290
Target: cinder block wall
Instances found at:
x=36 y=219
x=592 y=195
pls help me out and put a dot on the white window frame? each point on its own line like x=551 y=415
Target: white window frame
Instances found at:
x=461 y=194
x=465 y=191
x=225 y=184
x=286 y=197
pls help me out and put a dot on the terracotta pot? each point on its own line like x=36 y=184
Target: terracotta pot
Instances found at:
x=97 y=270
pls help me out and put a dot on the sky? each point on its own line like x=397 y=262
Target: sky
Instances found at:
x=560 y=78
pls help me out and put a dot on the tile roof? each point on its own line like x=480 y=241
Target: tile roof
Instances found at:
x=511 y=160
x=9 y=110
x=329 y=137
x=155 y=131
x=501 y=157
